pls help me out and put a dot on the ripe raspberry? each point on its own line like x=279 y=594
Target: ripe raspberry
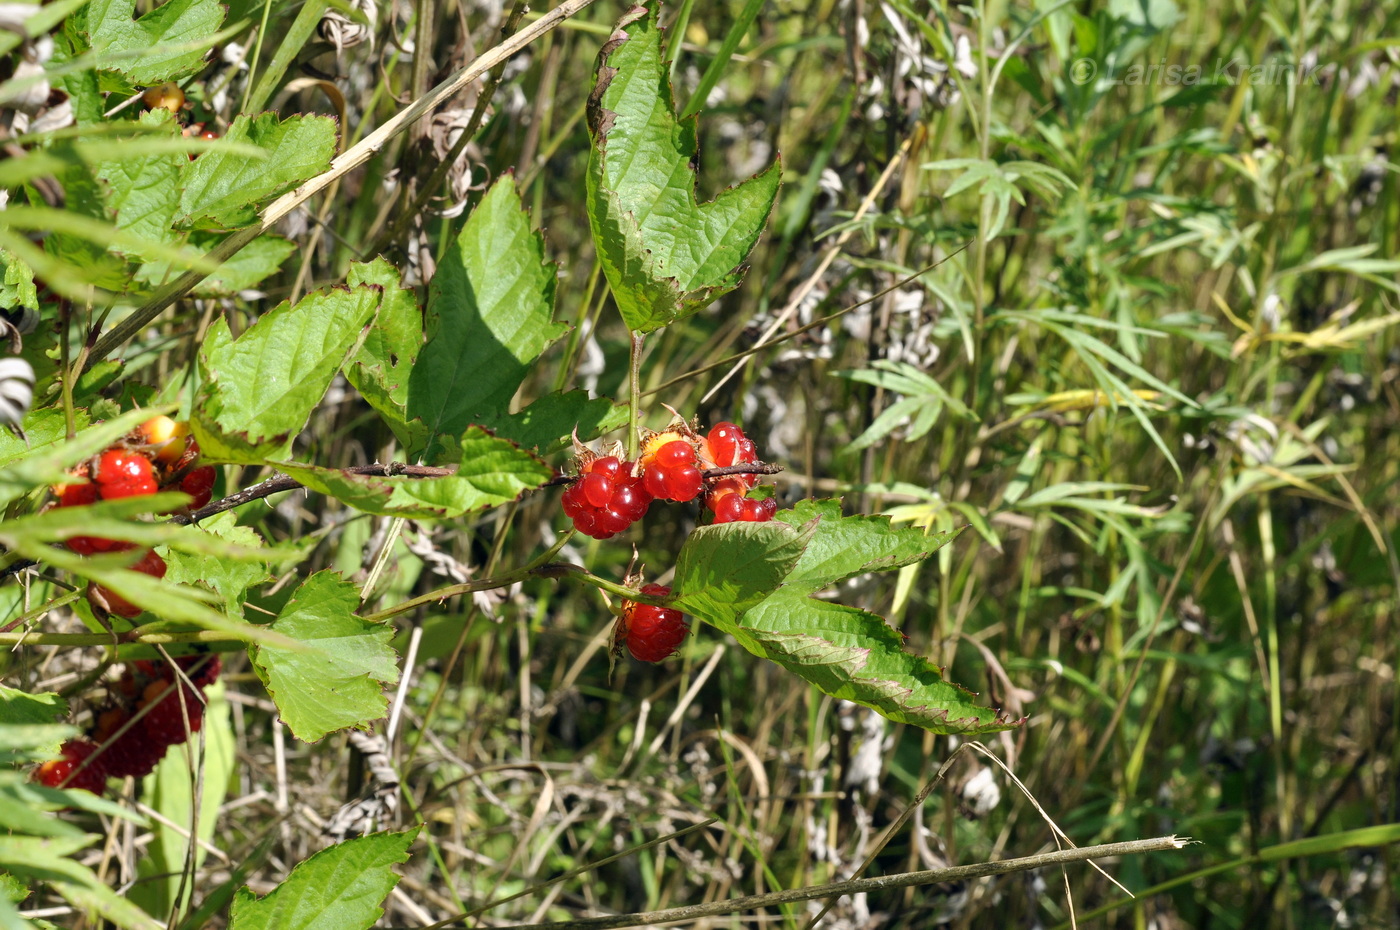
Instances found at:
x=727 y=445
x=606 y=498
x=164 y=723
x=727 y=501
x=124 y=474
x=199 y=485
x=150 y=564
x=69 y=771
x=670 y=469
x=76 y=495
x=653 y=633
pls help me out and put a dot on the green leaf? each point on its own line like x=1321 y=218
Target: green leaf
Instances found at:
x=223 y=188
x=46 y=858
x=492 y=471
x=664 y=254
x=21 y=707
x=335 y=681
x=259 y=391
x=490 y=314
x=339 y=888
x=52 y=454
x=724 y=570
x=843 y=547
x=380 y=369
x=144 y=190
x=17 y=283
x=733 y=582
x=552 y=419
x=165 y=43
x=229 y=578
x=244 y=270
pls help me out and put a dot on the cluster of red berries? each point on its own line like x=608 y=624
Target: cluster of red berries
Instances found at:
x=159 y=455
x=150 y=709
x=651 y=633
x=607 y=498
x=610 y=493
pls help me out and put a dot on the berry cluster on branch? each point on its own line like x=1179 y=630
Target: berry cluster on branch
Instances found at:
x=678 y=464
x=159 y=455
x=149 y=709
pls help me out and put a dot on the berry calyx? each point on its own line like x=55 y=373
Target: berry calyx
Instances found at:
x=607 y=498
x=124 y=474
x=69 y=771
x=150 y=564
x=652 y=633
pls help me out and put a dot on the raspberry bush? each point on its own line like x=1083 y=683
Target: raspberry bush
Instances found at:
x=387 y=412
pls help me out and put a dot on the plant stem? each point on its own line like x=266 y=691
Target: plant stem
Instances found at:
x=634 y=380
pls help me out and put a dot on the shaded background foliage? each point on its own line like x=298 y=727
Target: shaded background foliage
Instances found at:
x=1152 y=366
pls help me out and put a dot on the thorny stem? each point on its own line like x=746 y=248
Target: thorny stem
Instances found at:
x=546 y=570
x=862 y=885
x=280 y=483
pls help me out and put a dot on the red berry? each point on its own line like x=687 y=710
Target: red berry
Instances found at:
x=723 y=443
x=653 y=633
x=70 y=772
x=670 y=471
x=76 y=495
x=124 y=474
x=87 y=545
x=199 y=485
x=606 y=498
x=150 y=564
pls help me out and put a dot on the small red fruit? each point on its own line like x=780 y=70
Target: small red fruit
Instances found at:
x=671 y=472
x=76 y=495
x=69 y=771
x=653 y=633
x=199 y=485
x=606 y=499
x=150 y=564
x=124 y=474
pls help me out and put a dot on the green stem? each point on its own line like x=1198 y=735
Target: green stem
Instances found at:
x=634 y=378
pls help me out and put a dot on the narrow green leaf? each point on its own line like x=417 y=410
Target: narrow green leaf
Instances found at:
x=169 y=790
x=259 y=391
x=490 y=314
x=664 y=254
x=337 y=680
x=339 y=888
x=224 y=188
